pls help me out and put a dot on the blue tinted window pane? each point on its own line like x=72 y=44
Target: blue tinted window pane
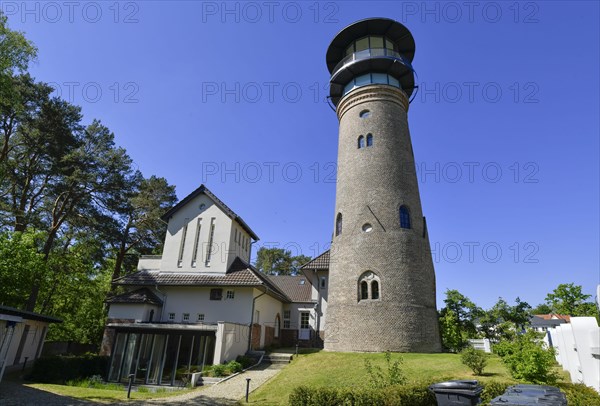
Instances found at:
x=348 y=87
x=363 y=80
x=380 y=78
x=394 y=81
x=361 y=142
x=369 y=140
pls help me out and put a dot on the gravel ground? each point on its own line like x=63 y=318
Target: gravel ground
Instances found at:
x=13 y=393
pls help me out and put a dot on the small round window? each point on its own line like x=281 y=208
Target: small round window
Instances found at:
x=367 y=228
x=365 y=114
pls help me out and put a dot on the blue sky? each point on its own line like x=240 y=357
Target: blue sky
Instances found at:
x=505 y=127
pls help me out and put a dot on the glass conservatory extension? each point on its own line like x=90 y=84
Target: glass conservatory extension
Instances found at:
x=369 y=79
x=159 y=359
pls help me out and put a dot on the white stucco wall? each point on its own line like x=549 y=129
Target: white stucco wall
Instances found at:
x=269 y=308
x=194 y=300
x=319 y=294
x=189 y=214
x=37 y=331
x=231 y=341
x=136 y=311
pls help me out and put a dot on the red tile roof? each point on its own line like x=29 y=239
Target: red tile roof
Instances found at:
x=297 y=288
x=238 y=274
x=320 y=262
x=551 y=316
x=143 y=295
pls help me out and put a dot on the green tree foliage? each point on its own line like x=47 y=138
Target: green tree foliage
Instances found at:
x=458 y=320
x=139 y=226
x=569 y=298
x=542 y=308
x=277 y=261
x=20 y=264
x=72 y=208
x=503 y=321
x=527 y=358
x=476 y=360
x=452 y=336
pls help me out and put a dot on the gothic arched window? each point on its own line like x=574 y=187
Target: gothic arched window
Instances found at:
x=364 y=290
x=374 y=290
x=368 y=286
x=338 y=224
x=404 y=217
x=361 y=142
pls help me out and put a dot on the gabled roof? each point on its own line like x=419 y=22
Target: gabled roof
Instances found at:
x=204 y=190
x=297 y=288
x=552 y=316
x=28 y=315
x=142 y=295
x=239 y=274
x=538 y=321
x=320 y=263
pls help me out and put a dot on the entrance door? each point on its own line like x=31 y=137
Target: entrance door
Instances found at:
x=304 y=331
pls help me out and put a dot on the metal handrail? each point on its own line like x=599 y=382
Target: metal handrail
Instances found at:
x=369 y=53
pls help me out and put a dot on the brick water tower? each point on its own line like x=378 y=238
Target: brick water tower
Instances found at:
x=382 y=281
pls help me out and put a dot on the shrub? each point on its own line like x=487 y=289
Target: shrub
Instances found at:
x=234 y=367
x=580 y=395
x=527 y=359
x=392 y=376
x=245 y=361
x=399 y=395
x=59 y=369
x=474 y=359
x=218 y=370
x=492 y=389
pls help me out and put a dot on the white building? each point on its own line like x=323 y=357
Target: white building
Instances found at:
x=22 y=335
x=202 y=303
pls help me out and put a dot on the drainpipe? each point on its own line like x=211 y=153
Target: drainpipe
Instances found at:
x=162 y=308
x=252 y=318
x=318 y=305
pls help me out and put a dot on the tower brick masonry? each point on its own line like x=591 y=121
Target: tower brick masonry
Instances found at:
x=382 y=280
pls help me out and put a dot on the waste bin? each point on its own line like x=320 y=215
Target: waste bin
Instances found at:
x=457 y=393
x=522 y=395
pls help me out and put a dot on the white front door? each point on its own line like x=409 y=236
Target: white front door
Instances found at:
x=304 y=330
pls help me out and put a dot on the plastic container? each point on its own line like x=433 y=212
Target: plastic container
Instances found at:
x=457 y=393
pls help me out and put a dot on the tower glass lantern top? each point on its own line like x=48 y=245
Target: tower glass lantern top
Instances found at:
x=371 y=51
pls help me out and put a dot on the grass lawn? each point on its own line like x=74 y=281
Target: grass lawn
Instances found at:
x=348 y=369
x=102 y=395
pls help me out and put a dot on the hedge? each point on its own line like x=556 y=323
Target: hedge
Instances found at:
x=59 y=369
x=417 y=395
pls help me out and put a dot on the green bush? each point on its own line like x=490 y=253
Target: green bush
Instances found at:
x=527 y=359
x=234 y=367
x=476 y=360
x=245 y=361
x=218 y=370
x=492 y=389
x=392 y=376
x=59 y=369
x=399 y=395
x=580 y=395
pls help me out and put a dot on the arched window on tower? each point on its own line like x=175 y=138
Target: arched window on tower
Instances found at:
x=361 y=142
x=364 y=290
x=368 y=286
x=338 y=224
x=374 y=290
x=404 y=217
x=369 y=140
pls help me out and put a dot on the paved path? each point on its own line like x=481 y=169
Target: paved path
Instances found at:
x=226 y=393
